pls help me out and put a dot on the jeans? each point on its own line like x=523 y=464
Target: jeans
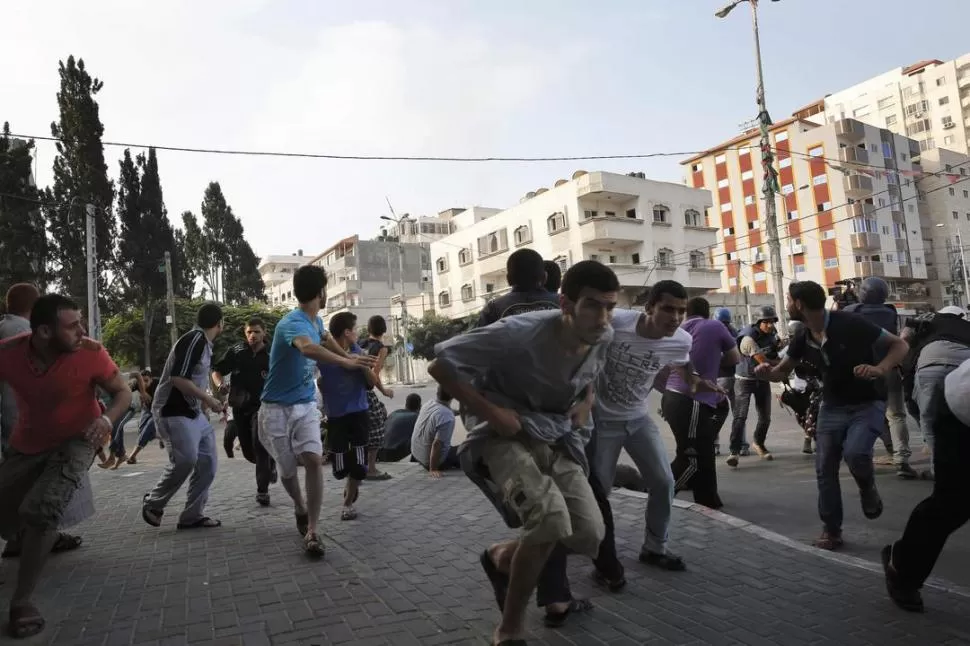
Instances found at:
x=117 y=445
x=743 y=389
x=896 y=416
x=191 y=444
x=928 y=391
x=641 y=439
x=845 y=432
x=146 y=429
x=946 y=509
x=693 y=467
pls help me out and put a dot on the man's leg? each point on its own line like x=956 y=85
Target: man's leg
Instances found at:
x=203 y=475
x=705 y=481
x=603 y=453
x=896 y=412
x=762 y=403
x=864 y=427
x=273 y=428
x=376 y=421
x=304 y=428
x=829 y=438
x=183 y=453
x=929 y=398
x=743 y=389
x=676 y=411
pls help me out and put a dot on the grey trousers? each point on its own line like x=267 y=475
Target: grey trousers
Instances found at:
x=191 y=445
x=896 y=416
x=929 y=397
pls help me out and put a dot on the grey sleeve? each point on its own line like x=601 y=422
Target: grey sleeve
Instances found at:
x=473 y=352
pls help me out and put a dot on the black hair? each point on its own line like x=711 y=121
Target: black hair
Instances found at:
x=413 y=402
x=698 y=306
x=591 y=274
x=662 y=287
x=208 y=316
x=525 y=269
x=376 y=325
x=341 y=322
x=553 y=276
x=255 y=322
x=308 y=282
x=444 y=395
x=810 y=293
x=46 y=308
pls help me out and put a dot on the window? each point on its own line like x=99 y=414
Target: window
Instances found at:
x=631 y=213
x=723 y=183
x=495 y=242
x=927 y=144
x=692 y=218
x=720 y=159
x=947 y=122
x=442 y=264
x=882 y=202
x=948 y=140
x=940 y=82
x=465 y=257
x=590 y=214
x=944 y=100
x=890 y=258
x=729 y=231
x=792 y=215
x=748 y=200
x=752 y=225
x=729 y=256
x=444 y=298
x=799 y=269
x=467 y=292
x=563 y=264
x=556 y=222
x=885 y=231
x=784 y=163
x=918 y=260
x=781 y=136
x=760 y=276
x=522 y=234
x=887 y=150
x=966 y=194
x=744 y=150
x=824 y=206
x=828 y=234
x=917 y=109
x=725 y=207
x=733 y=282
x=886 y=102
x=819 y=179
x=698 y=260
x=787 y=189
x=831 y=263
x=952 y=192
x=664 y=257
x=874 y=148
x=815 y=152
x=858 y=113
x=891 y=120
x=696 y=168
x=746 y=175
x=635 y=258
x=660 y=213
x=956 y=216
x=609 y=214
x=910 y=208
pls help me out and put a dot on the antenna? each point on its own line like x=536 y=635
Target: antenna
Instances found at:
x=388 y=200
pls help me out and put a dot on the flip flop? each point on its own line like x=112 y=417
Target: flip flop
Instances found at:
x=66 y=543
x=380 y=475
x=313 y=546
x=499 y=581
x=25 y=621
x=557 y=619
x=348 y=513
x=203 y=523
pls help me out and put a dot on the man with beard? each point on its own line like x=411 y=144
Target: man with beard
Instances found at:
x=853 y=407
x=246 y=365
x=525 y=384
x=53 y=444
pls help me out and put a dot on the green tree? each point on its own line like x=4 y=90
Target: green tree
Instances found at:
x=183 y=276
x=195 y=250
x=432 y=329
x=80 y=178
x=23 y=237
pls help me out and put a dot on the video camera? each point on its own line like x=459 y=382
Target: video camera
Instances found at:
x=844 y=293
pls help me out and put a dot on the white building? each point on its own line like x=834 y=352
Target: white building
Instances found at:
x=423 y=229
x=277 y=275
x=928 y=101
x=946 y=189
x=643 y=229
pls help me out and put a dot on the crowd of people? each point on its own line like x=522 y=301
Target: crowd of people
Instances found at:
x=553 y=384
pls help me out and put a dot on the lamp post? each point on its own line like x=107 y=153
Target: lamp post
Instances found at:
x=963 y=264
x=405 y=356
x=770 y=179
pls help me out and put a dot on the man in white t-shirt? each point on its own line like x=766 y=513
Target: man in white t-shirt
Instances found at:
x=644 y=343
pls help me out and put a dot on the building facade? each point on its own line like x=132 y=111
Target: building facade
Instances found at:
x=416 y=230
x=946 y=189
x=277 y=275
x=644 y=230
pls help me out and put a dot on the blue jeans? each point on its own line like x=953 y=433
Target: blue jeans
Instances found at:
x=146 y=429
x=928 y=393
x=117 y=446
x=845 y=432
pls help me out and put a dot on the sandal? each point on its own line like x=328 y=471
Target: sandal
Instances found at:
x=828 y=541
x=203 y=523
x=25 y=621
x=303 y=523
x=379 y=475
x=558 y=619
x=119 y=462
x=613 y=585
x=64 y=543
x=132 y=460
x=499 y=581
x=313 y=546
x=151 y=516
x=348 y=513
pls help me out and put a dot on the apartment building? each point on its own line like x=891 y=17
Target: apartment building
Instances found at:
x=850 y=207
x=928 y=101
x=946 y=188
x=422 y=229
x=643 y=229
x=277 y=274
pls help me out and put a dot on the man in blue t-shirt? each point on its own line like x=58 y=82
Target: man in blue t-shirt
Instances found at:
x=289 y=422
x=345 y=398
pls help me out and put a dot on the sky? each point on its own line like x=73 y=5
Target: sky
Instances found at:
x=434 y=78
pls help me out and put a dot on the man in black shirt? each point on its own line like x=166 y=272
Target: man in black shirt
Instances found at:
x=853 y=408
x=246 y=365
x=527 y=277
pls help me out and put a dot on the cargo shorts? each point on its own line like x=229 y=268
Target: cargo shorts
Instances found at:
x=38 y=488
x=548 y=491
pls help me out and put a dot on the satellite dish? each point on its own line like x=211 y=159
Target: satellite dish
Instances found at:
x=560 y=182
x=579 y=174
x=530 y=195
x=540 y=191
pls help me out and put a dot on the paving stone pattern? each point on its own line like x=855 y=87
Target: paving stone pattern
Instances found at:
x=406 y=572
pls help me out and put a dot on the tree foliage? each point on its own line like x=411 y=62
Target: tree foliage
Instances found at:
x=80 y=178
x=432 y=329
x=23 y=236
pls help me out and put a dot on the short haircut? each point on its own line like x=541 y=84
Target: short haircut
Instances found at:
x=341 y=322
x=255 y=322
x=444 y=395
x=810 y=293
x=209 y=316
x=412 y=402
x=591 y=274
x=21 y=298
x=672 y=287
x=47 y=307
x=376 y=325
x=553 y=276
x=525 y=269
x=698 y=306
x=308 y=282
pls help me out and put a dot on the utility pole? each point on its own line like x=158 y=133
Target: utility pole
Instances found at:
x=91 y=255
x=405 y=355
x=770 y=178
x=170 y=298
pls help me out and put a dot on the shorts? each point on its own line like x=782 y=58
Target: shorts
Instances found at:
x=347 y=439
x=38 y=489
x=286 y=432
x=376 y=420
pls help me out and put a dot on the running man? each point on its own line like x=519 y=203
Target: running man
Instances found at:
x=147 y=386
x=758 y=344
x=289 y=420
x=246 y=365
x=525 y=384
x=53 y=444
x=181 y=410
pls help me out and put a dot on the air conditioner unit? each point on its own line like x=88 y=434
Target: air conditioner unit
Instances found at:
x=949 y=124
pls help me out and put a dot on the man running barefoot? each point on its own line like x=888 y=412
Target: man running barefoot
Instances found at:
x=289 y=420
x=53 y=444
x=524 y=383
x=180 y=409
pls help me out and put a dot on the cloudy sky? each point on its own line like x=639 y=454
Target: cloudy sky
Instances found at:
x=434 y=77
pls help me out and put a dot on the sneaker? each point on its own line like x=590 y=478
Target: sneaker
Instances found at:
x=807 y=446
x=666 y=561
x=764 y=453
x=871 y=502
x=745 y=450
x=732 y=460
x=908 y=599
x=263 y=499
x=906 y=472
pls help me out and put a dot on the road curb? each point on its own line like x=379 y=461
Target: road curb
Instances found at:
x=768 y=535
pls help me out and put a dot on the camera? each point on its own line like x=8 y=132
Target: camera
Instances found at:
x=844 y=293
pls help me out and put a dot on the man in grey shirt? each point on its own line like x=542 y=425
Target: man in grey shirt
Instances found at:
x=433 y=430
x=526 y=387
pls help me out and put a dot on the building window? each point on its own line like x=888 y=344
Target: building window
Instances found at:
x=787 y=189
x=561 y=261
x=947 y=122
x=760 y=276
x=746 y=175
x=556 y=222
x=891 y=120
x=792 y=215
x=815 y=152
x=752 y=225
x=696 y=168
x=442 y=264
x=748 y=200
x=522 y=234
x=927 y=144
x=956 y=216
x=631 y=213
x=720 y=159
x=444 y=298
x=952 y=192
x=831 y=263
x=733 y=282
x=940 y=82
x=665 y=257
x=495 y=242
x=944 y=100
x=698 y=260
x=729 y=231
x=799 y=269
x=784 y=163
x=725 y=207
x=781 y=136
x=819 y=179
x=828 y=235
x=467 y=292
x=886 y=102
x=948 y=140
x=723 y=183
x=465 y=257
x=660 y=213
x=590 y=214
x=692 y=218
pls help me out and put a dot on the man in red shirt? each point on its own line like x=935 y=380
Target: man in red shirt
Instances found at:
x=54 y=371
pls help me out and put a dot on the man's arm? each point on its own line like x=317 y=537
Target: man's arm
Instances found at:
x=895 y=354
x=731 y=358
x=187 y=355
x=224 y=367
x=374 y=380
x=750 y=349
x=777 y=372
x=322 y=354
x=117 y=387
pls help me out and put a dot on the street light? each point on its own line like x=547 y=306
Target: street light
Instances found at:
x=405 y=362
x=963 y=264
x=770 y=180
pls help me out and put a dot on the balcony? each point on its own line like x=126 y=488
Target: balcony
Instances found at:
x=902 y=244
x=932 y=273
x=861 y=210
x=869 y=268
x=622 y=231
x=865 y=241
x=857 y=186
x=493 y=263
x=854 y=155
x=850 y=129
x=905 y=271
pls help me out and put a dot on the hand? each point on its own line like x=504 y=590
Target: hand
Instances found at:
x=435 y=474
x=579 y=414
x=763 y=370
x=98 y=432
x=146 y=401
x=389 y=393
x=214 y=404
x=505 y=422
x=865 y=371
x=360 y=362
x=706 y=386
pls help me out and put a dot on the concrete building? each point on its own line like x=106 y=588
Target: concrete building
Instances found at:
x=645 y=230
x=928 y=101
x=277 y=275
x=946 y=189
x=423 y=229
x=849 y=207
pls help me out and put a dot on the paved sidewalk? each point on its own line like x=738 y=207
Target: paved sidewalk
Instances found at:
x=406 y=572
